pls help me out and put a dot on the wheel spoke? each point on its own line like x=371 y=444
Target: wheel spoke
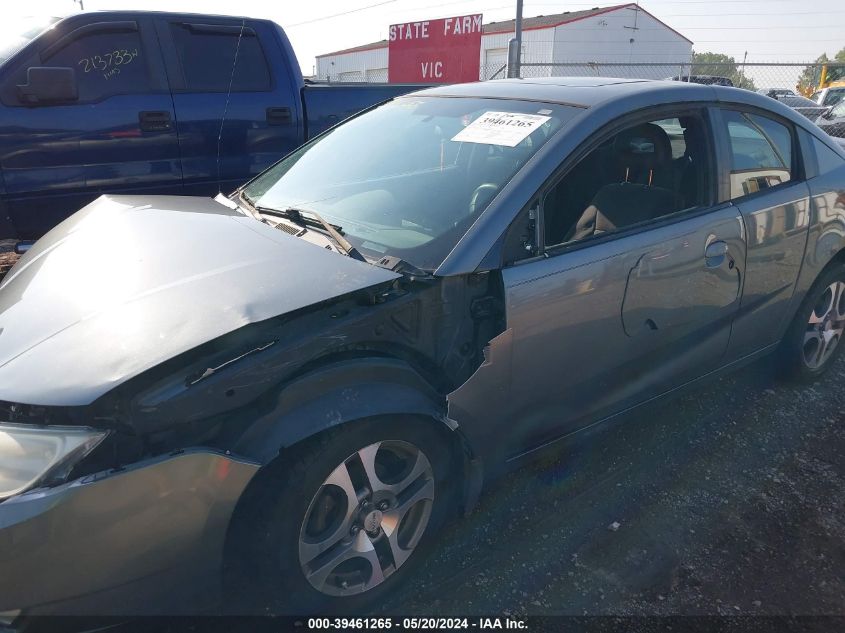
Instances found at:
x=393 y=519
x=345 y=551
x=309 y=550
x=340 y=478
x=420 y=466
x=815 y=316
x=829 y=341
x=360 y=546
x=368 y=460
x=838 y=301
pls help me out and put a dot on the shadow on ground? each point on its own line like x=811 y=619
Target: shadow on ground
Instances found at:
x=730 y=500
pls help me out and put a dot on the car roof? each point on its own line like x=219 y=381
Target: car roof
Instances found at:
x=587 y=92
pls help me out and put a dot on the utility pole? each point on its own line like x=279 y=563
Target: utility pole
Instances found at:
x=515 y=44
x=80 y=3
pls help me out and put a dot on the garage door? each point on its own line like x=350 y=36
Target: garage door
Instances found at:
x=495 y=59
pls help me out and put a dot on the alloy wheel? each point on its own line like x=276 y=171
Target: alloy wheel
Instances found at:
x=367 y=518
x=825 y=326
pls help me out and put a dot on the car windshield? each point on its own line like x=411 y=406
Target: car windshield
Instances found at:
x=15 y=33
x=409 y=178
x=834 y=96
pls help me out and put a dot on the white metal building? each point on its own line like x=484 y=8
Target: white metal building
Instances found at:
x=621 y=34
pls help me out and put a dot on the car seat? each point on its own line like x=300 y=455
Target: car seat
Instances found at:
x=639 y=152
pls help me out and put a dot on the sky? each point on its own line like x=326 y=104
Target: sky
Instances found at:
x=768 y=30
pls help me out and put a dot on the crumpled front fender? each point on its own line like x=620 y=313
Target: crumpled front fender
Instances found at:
x=118 y=532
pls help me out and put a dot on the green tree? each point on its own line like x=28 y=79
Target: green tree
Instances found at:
x=810 y=76
x=721 y=65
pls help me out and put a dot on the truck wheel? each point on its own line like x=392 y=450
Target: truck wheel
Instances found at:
x=350 y=518
x=814 y=339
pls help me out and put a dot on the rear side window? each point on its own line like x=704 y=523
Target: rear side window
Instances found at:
x=827 y=159
x=106 y=63
x=207 y=52
x=761 y=153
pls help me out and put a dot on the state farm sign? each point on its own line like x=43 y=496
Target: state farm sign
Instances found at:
x=435 y=51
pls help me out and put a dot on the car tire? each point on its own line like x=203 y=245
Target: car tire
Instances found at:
x=814 y=339
x=314 y=548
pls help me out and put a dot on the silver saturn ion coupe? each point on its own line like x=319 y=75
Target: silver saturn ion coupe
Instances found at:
x=289 y=390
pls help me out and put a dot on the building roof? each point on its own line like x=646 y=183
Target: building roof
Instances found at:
x=528 y=24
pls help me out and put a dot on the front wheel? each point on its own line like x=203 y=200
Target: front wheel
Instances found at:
x=350 y=518
x=814 y=339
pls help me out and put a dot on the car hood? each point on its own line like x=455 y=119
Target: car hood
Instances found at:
x=132 y=281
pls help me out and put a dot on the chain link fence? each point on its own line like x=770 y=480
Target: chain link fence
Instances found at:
x=800 y=78
x=793 y=83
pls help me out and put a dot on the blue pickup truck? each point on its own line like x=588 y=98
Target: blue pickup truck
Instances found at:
x=132 y=102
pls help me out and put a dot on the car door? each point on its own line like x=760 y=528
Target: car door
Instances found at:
x=116 y=137
x=605 y=322
x=261 y=111
x=767 y=186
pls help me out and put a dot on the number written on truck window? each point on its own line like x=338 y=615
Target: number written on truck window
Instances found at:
x=106 y=64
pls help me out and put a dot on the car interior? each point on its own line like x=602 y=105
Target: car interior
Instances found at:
x=644 y=172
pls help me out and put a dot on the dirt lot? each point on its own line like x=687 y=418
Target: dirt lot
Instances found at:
x=729 y=501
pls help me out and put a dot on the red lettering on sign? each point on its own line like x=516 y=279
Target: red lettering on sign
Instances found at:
x=447 y=50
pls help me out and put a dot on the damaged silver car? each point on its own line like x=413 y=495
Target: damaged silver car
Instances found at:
x=287 y=392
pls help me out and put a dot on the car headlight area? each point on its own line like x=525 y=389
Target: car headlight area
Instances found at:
x=119 y=537
x=30 y=455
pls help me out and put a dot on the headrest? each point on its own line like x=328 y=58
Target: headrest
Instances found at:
x=646 y=145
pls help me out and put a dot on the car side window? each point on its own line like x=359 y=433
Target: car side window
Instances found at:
x=827 y=159
x=206 y=54
x=106 y=63
x=642 y=173
x=761 y=152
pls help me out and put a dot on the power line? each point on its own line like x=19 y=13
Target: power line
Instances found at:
x=337 y=15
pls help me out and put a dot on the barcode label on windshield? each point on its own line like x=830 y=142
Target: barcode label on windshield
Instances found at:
x=500 y=128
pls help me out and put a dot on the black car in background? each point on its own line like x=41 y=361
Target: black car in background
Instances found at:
x=803 y=105
x=833 y=121
x=707 y=80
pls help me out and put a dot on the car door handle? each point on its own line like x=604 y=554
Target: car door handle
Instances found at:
x=279 y=116
x=154 y=120
x=715 y=253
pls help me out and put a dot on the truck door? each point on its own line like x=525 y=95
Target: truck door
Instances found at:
x=261 y=112
x=117 y=134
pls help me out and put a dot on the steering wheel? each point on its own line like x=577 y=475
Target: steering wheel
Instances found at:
x=482 y=196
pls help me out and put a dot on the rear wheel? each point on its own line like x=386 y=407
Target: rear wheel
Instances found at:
x=350 y=518
x=814 y=339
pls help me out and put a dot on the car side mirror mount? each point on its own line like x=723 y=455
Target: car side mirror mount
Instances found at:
x=49 y=85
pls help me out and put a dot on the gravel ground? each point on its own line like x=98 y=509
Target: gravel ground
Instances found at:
x=728 y=501
x=7 y=256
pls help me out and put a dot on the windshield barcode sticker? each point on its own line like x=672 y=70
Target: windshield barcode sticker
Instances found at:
x=500 y=128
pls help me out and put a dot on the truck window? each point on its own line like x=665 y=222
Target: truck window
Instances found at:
x=106 y=64
x=15 y=33
x=206 y=58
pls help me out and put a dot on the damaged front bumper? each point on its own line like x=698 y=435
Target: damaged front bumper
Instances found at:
x=121 y=542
